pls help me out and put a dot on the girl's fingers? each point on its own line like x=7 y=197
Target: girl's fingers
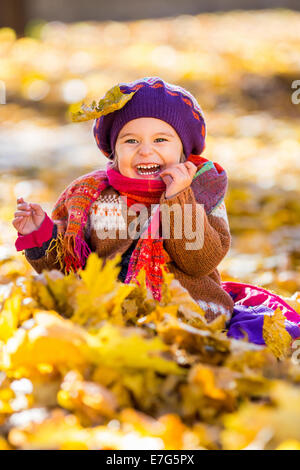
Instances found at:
x=174 y=172
x=22 y=213
x=191 y=168
x=190 y=164
x=21 y=201
x=181 y=170
x=37 y=208
x=18 y=219
x=188 y=168
x=23 y=206
x=169 y=171
x=18 y=223
x=167 y=179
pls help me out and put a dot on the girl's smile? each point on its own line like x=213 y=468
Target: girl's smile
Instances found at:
x=147 y=146
x=150 y=170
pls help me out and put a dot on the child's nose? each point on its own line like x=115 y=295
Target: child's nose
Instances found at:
x=145 y=149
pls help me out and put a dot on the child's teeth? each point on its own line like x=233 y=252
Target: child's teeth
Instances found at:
x=151 y=169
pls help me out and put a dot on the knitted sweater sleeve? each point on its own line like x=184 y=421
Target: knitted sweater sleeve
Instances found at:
x=197 y=242
x=40 y=259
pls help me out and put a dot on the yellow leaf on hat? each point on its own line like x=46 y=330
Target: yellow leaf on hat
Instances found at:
x=113 y=100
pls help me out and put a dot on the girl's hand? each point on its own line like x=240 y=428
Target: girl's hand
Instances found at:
x=178 y=177
x=28 y=217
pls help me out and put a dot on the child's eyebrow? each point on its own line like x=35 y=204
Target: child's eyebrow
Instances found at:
x=157 y=133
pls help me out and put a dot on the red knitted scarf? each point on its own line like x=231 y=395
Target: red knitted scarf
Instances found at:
x=71 y=213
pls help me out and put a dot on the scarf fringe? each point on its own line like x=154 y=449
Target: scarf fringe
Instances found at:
x=57 y=244
x=71 y=252
x=149 y=255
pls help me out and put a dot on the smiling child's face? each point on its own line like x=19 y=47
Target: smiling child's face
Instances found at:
x=146 y=146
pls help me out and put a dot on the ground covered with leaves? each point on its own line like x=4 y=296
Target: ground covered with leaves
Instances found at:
x=89 y=363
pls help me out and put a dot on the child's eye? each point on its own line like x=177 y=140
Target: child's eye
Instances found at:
x=132 y=140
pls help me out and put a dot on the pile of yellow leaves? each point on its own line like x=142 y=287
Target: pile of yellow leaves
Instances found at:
x=88 y=362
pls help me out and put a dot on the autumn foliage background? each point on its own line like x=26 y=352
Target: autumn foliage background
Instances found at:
x=69 y=374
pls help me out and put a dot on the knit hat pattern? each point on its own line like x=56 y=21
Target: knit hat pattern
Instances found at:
x=157 y=99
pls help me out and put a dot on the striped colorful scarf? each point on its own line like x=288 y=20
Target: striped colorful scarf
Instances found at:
x=72 y=209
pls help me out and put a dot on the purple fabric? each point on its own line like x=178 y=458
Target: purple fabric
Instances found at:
x=251 y=304
x=250 y=320
x=158 y=99
x=245 y=319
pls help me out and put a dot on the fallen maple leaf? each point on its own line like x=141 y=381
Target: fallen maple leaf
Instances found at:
x=277 y=339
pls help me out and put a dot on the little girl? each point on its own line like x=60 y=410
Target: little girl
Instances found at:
x=153 y=136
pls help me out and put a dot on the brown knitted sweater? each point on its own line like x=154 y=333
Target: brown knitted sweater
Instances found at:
x=196 y=269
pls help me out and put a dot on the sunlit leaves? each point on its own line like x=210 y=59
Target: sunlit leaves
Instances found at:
x=113 y=348
x=113 y=100
x=105 y=353
x=277 y=339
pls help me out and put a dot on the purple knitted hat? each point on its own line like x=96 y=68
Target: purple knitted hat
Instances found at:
x=158 y=99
